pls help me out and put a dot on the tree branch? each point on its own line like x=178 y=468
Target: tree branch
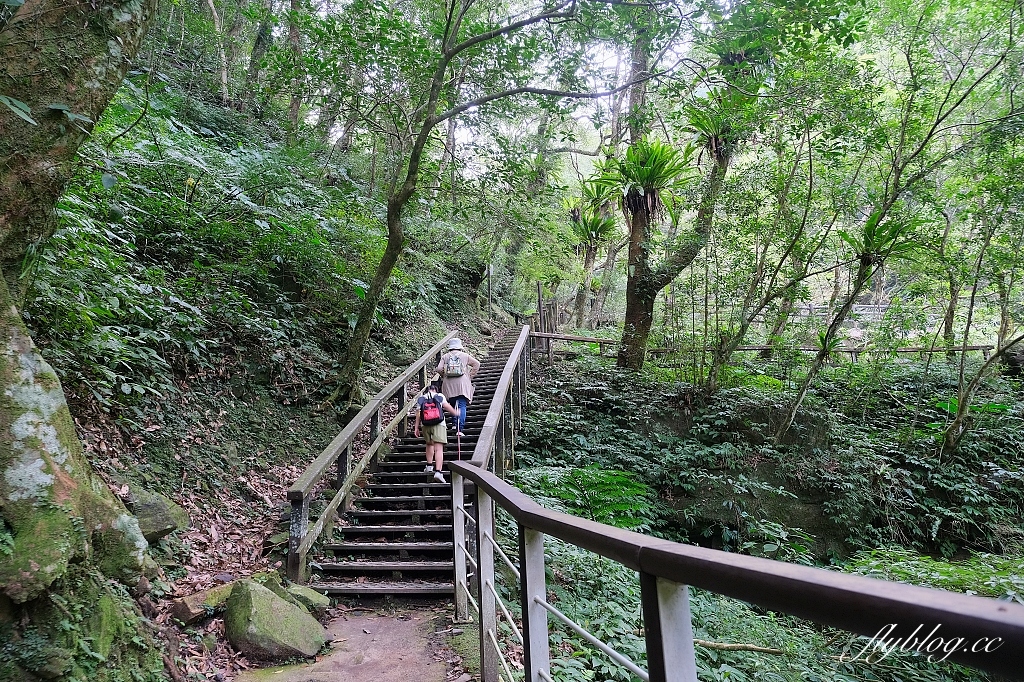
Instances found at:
x=545 y=92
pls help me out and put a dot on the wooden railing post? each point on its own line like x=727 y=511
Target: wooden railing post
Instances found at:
x=517 y=391
x=485 y=567
x=375 y=425
x=423 y=377
x=459 y=533
x=536 y=654
x=667 y=630
x=344 y=465
x=498 y=455
x=403 y=400
x=296 y=533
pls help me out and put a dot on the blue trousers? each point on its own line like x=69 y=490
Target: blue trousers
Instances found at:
x=460 y=403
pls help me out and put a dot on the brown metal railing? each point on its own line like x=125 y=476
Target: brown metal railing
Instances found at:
x=860 y=605
x=339 y=456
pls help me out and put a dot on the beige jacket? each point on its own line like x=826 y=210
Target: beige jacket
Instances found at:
x=456 y=386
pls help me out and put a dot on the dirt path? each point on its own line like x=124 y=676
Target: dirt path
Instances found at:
x=369 y=647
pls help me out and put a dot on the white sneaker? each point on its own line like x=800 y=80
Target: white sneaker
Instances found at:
x=428 y=469
x=438 y=477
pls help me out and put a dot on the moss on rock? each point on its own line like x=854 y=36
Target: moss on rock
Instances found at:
x=85 y=628
x=262 y=625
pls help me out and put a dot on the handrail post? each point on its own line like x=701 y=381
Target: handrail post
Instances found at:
x=375 y=424
x=423 y=377
x=667 y=630
x=459 y=542
x=536 y=654
x=403 y=400
x=296 y=533
x=344 y=465
x=498 y=454
x=485 y=567
x=517 y=380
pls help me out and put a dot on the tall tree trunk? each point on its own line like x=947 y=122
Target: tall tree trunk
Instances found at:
x=949 y=318
x=36 y=161
x=643 y=285
x=1004 y=285
x=607 y=281
x=640 y=291
x=218 y=26
x=584 y=291
x=638 y=120
x=295 y=44
x=260 y=47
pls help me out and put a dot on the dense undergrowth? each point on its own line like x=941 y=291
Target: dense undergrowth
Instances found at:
x=198 y=241
x=857 y=485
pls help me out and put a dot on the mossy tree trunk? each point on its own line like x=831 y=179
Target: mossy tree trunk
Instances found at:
x=65 y=61
x=643 y=283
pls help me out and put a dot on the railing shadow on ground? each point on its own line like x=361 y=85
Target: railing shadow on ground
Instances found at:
x=990 y=631
x=339 y=455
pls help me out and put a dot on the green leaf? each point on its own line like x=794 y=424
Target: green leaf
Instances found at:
x=19 y=108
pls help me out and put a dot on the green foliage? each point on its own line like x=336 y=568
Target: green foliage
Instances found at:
x=650 y=171
x=214 y=247
x=862 y=450
x=989 y=575
x=612 y=497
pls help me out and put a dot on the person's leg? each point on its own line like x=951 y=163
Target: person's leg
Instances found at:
x=430 y=458
x=461 y=403
x=439 y=463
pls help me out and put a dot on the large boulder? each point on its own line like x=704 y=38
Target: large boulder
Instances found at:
x=263 y=626
x=157 y=515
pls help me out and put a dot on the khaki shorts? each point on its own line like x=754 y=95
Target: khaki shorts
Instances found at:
x=435 y=433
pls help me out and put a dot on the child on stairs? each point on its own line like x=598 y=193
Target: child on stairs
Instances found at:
x=430 y=408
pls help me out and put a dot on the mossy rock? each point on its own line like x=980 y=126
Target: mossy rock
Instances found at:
x=264 y=626
x=314 y=602
x=86 y=628
x=201 y=604
x=54 y=509
x=272 y=581
x=158 y=515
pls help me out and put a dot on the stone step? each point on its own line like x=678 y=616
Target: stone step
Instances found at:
x=383 y=514
x=403 y=499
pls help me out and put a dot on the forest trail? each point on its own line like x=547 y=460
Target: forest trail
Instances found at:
x=370 y=647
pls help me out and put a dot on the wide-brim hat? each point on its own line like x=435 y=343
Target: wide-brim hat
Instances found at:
x=454 y=344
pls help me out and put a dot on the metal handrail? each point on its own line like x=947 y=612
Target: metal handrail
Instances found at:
x=505 y=611
x=504 y=557
x=856 y=604
x=619 y=658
